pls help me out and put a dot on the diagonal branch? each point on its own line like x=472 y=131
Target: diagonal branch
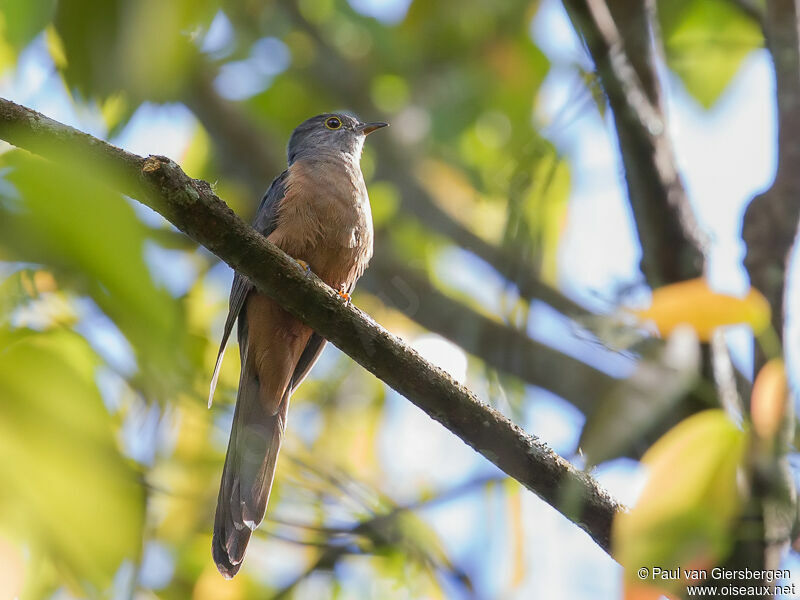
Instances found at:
x=193 y=208
x=497 y=344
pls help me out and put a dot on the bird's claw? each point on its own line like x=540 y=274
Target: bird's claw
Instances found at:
x=342 y=293
x=303 y=265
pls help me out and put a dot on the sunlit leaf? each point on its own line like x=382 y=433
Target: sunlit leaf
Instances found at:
x=706 y=42
x=694 y=303
x=690 y=500
x=7 y=54
x=116 y=110
x=55 y=46
x=198 y=152
x=769 y=399
x=67 y=490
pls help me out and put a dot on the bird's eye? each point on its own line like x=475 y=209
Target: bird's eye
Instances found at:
x=333 y=123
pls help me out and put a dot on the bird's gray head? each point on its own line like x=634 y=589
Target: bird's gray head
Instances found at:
x=330 y=135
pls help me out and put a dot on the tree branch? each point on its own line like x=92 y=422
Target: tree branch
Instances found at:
x=769 y=230
x=193 y=208
x=770 y=222
x=498 y=345
x=673 y=244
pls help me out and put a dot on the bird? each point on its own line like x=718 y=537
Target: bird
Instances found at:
x=318 y=212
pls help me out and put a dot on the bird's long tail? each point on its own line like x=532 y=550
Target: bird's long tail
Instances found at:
x=253 y=448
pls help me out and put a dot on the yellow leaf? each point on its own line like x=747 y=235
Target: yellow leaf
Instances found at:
x=66 y=484
x=55 y=45
x=7 y=53
x=114 y=109
x=769 y=398
x=689 y=502
x=197 y=153
x=12 y=570
x=694 y=303
x=643 y=591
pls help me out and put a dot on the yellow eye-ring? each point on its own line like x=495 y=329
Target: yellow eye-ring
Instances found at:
x=333 y=123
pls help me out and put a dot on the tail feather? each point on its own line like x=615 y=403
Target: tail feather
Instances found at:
x=253 y=448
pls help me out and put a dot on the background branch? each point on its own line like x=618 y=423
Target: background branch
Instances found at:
x=499 y=345
x=673 y=244
x=770 y=222
x=769 y=230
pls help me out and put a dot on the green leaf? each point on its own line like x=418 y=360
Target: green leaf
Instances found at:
x=385 y=200
x=685 y=513
x=88 y=32
x=545 y=209
x=22 y=20
x=706 y=42
x=92 y=238
x=66 y=488
x=145 y=48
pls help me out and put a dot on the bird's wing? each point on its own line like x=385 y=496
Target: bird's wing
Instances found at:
x=265 y=223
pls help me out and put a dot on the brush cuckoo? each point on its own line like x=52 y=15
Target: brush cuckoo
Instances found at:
x=318 y=212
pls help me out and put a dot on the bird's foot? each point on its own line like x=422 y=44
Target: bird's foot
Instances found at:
x=303 y=265
x=342 y=293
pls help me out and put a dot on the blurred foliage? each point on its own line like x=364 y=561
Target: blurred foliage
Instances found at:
x=67 y=490
x=683 y=517
x=770 y=403
x=97 y=245
x=694 y=303
x=109 y=319
x=706 y=42
x=636 y=405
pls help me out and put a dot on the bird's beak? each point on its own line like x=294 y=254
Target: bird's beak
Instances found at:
x=367 y=128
